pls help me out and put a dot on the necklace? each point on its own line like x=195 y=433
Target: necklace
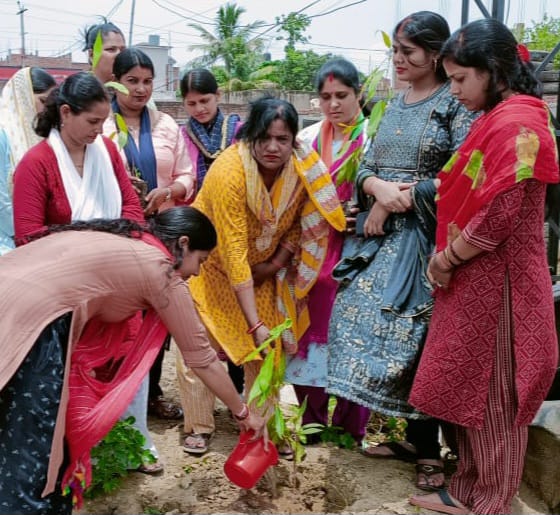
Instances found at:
x=399 y=129
x=79 y=168
x=78 y=161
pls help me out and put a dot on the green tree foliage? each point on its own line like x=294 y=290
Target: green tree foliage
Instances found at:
x=295 y=25
x=231 y=43
x=298 y=70
x=544 y=35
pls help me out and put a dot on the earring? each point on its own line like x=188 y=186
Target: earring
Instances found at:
x=62 y=125
x=435 y=65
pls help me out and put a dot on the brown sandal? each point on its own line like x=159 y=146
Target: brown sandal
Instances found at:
x=199 y=443
x=164 y=409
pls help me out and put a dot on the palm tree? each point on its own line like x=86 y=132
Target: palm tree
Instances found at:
x=231 y=42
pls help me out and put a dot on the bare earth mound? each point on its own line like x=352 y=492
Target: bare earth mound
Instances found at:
x=329 y=480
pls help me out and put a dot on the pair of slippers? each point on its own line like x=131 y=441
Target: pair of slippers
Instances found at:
x=198 y=443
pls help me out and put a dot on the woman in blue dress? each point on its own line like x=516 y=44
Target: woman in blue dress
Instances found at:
x=382 y=308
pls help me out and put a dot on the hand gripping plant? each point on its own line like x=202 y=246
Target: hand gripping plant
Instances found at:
x=283 y=428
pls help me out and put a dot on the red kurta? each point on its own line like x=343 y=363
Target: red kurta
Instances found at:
x=452 y=380
x=40 y=198
x=493 y=192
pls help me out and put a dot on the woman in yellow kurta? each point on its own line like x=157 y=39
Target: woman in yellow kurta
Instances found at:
x=271 y=201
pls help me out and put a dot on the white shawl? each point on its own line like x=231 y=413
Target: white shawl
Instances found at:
x=96 y=194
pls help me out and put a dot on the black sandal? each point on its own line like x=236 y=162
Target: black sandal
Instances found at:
x=427 y=471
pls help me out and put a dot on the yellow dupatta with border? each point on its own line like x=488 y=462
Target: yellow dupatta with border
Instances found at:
x=321 y=209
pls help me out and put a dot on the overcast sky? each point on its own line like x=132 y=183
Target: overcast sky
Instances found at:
x=346 y=27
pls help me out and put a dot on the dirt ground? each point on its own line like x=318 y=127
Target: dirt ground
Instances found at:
x=329 y=480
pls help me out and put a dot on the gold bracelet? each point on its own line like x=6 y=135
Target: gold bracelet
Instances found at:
x=440 y=268
x=446 y=256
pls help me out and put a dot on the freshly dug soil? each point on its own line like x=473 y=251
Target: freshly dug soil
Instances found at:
x=329 y=480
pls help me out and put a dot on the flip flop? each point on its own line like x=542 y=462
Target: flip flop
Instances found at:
x=200 y=444
x=445 y=506
x=399 y=452
x=151 y=469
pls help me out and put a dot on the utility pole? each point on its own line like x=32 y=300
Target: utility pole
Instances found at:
x=22 y=9
x=131 y=22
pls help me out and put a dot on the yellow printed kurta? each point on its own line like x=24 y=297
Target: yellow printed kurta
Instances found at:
x=223 y=198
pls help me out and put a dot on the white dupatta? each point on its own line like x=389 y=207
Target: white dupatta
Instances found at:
x=96 y=194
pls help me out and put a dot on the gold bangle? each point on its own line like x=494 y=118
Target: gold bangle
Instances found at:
x=446 y=256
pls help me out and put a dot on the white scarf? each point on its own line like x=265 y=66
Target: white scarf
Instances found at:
x=96 y=194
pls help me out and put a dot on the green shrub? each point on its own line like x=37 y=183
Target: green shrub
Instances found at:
x=119 y=452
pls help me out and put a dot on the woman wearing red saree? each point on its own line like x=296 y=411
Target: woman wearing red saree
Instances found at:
x=491 y=351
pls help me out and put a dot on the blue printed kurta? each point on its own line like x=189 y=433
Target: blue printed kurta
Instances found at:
x=374 y=348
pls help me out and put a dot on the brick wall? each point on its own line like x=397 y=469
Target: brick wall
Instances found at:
x=238 y=102
x=65 y=61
